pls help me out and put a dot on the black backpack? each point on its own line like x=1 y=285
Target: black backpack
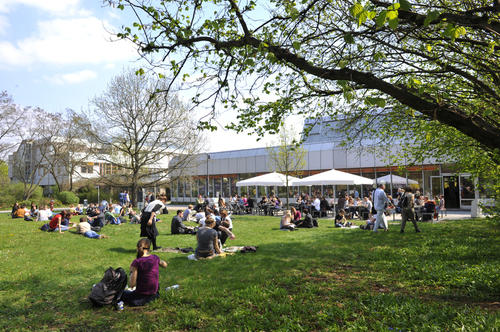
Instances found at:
x=110 y=288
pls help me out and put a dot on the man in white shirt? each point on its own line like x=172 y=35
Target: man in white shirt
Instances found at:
x=379 y=203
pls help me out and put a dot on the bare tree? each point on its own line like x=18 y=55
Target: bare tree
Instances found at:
x=11 y=116
x=288 y=157
x=139 y=130
x=27 y=161
x=68 y=147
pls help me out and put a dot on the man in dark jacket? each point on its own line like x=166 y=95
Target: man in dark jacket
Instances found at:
x=178 y=227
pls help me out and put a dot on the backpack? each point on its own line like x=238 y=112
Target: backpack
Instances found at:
x=109 y=290
x=405 y=202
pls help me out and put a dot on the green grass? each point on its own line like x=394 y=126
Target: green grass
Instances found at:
x=446 y=278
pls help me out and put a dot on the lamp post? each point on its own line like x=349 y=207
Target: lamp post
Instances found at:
x=208 y=177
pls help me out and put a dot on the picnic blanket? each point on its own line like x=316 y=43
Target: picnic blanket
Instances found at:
x=176 y=250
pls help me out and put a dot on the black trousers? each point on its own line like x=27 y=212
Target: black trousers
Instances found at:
x=133 y=299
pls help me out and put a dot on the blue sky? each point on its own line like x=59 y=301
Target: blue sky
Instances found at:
x=58 y=54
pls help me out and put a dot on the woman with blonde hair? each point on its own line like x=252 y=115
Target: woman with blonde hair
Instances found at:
x=286 y=221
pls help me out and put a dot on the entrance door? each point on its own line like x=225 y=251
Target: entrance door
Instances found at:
x=451 y=191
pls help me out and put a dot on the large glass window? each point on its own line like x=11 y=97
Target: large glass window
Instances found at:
x=234 y=189
x=225 y=187
x=217 y=186
x=181 y=188
x=188 y=188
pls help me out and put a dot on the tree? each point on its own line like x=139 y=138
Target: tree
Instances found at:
x=287 y=157
x=28 y=160
x=139 y=129
x=12 y=118
x=69 y=146
x=432 y=60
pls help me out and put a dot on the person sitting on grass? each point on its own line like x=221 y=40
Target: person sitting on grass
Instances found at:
x=296 y=215
x=224 y=227
x=340 y=220
x=110 y=218
x=132 y=215
x=178 y=227
x=56 y=224
x=97 y=218
x=187 y=213
x=33 y=210
x=79 y=210
x=208 y=241
x=44 y=214
x=286 y=221
x=144 y=276
x=85 y=229
x=19 y=212
x=14 y=209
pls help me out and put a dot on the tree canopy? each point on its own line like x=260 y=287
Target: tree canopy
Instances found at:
x=435 y=60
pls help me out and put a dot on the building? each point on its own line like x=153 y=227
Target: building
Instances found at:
x=216 y=173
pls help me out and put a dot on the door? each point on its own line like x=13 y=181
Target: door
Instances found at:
x=451 y=191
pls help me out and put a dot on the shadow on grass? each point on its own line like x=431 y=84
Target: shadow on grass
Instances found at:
x=122 y=250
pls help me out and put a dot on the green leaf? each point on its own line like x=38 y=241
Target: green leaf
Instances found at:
x=139 y=72
x=405 y=4
x=296 y=45
x=392 y=14
x=393 y=24
x=381 y=18
x=433 y=15
x=349 y=38
x=429 y=48
x=356 y=9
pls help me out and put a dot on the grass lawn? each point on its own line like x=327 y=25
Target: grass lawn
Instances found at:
x=446 y=278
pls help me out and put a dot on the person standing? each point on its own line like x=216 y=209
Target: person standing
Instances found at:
x=407 y=206
x=148 y=220
x=379 y=203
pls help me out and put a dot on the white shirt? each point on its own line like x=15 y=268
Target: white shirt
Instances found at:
x=43 y=215
x=230 y=222
x=317 y=204
x=154 y=206
x=379 y=199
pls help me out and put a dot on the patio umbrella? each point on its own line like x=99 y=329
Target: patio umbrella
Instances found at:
x=333 y=177
x=270 y=179
x=394 y=179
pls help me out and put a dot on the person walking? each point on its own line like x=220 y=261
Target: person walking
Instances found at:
x=148 y=220
x=407 y=209
x=380 y=201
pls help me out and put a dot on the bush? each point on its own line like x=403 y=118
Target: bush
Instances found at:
x=68 y=197
x=13 y=192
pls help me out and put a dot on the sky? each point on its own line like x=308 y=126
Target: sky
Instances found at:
x=59 y=54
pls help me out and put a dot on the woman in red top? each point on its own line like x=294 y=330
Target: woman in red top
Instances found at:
x=55 y=222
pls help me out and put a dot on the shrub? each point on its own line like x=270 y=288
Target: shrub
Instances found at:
x=68 y=197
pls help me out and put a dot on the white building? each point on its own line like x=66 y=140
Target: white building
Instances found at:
x=216 y=173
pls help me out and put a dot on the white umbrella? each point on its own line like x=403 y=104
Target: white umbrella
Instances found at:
x=394 y=179
x=333 y=177
x=270 y=179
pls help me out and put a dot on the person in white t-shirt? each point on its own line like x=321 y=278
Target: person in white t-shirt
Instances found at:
x=44 y=214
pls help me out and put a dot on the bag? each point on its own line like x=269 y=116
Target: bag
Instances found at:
x=110 y=288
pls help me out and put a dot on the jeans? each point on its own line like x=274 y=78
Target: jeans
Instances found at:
x=133 y=299
x=63 y=228
x=380 y=219
x=91 y=235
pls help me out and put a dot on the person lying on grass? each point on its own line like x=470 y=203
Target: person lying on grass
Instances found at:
x=144 y=276
x=57 y=222
x=208 y=241
x=286 y=221
x=85 y=229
